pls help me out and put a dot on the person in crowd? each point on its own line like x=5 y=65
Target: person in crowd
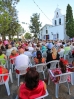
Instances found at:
x=67 y=50
x=52 y=56
x=3 y=71
x=9 y=50
x=2 y=47
x=39 y=59
x=34 y=53
x=2 y=56
x=16 y=44
x=31 y=49
x=12 y=43
x=38 y=46
x=72 y=46
x=43 y=48
x=61 y=50
x=27 y=52
x=32 y=87
x=22 y=59
x=63 y=43
x=59 y=71
x=50 y=45
x=6 y=43
x=13 y=55
x=62 y=66
x=56 y=44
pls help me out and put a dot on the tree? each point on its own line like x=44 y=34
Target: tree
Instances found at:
x=35 y=24
x=69 y=22
x=28 y=36
x=8 y=18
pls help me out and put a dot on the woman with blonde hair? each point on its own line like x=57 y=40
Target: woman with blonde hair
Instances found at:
x=13 y=55
x=52 y=56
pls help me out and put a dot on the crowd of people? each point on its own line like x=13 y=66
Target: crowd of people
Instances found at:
x=28 y=53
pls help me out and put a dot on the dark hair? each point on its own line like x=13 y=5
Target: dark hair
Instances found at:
x=38 y=45
x=1 y=52
x=62 y=66
x=32 y=78
x=61 y=46
x=72 y=61
x=39 y=56
x=73 y=44
x=26 y=49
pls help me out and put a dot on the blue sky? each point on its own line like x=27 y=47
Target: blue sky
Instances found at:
x=27 y=7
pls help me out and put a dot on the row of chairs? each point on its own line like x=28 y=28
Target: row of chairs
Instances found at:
x=41 y=68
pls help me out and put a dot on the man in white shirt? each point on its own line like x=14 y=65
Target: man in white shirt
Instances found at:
x=27 y=52
x=22 y=60
x=31 y=49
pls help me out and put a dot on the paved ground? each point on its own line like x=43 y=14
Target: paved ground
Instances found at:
x=63 y=91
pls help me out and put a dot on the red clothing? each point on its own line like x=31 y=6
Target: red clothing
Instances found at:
x=13 y=56
x=25 y=93
x=3 y=71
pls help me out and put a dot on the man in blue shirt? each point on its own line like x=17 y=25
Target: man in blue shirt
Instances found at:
x=50 y=45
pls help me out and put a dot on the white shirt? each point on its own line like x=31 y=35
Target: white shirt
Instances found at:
x=61 y=51
x=21 y=61
x=28 y=53
x=31 y=48
x=8 y=52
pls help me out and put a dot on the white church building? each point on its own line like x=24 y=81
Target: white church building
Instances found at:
x=56 y=31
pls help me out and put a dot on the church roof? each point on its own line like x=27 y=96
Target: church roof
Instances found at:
x=57 y=9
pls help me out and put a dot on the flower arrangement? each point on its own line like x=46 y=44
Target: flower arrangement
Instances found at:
x=57 y=78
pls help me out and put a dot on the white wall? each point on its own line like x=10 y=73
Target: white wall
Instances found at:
x=57 y=29
x=43 y=31
x=57 y=20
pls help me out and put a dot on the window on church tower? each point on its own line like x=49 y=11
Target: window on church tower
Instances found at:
x=60 y=21
x=55 y=22
x=46 y=31
x=57 y=36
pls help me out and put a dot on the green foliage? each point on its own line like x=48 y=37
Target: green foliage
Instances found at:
x=28 y=36
x=8 y=18
x=70 y=22
x=35 y=24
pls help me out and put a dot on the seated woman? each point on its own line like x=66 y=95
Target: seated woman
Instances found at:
x=2 y=56
x=39 y=59
x=13 y=55
x=52 y=56
x=3 y=71
x=33 y=87
x=58 y=71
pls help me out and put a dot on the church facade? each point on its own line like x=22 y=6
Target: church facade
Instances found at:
x=56 y=31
